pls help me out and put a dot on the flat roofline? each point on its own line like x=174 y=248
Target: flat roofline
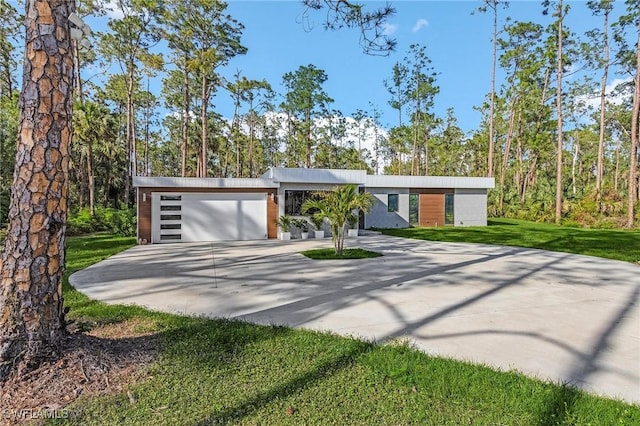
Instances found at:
x=274 y=176
x=191 y=182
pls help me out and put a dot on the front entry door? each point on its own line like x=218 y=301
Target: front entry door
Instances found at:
x=432 y=212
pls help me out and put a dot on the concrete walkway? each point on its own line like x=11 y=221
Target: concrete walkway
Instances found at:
x=556 y=316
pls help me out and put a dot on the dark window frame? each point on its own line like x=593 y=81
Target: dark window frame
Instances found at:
x=294 y=199
x=393 y=206
x=449 y=202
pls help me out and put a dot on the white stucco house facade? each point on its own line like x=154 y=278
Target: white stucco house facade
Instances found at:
x=174 y=209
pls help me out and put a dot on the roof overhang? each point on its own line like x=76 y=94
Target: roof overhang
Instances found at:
x=326 y=176
x=190 y=182
x=386 y=181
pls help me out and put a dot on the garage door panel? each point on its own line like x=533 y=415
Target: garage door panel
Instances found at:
x=216 y=217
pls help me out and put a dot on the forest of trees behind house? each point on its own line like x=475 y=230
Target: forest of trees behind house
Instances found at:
x=560 y=149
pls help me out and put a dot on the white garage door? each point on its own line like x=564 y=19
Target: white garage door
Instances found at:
x=190 y=217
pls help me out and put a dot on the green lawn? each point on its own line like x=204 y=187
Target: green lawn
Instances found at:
x=230 y=372
x=611 y=244
x=348 y=253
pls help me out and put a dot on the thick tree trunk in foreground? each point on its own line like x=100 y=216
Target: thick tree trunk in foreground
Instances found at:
x=31 y=314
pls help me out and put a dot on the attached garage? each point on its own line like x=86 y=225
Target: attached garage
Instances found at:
x=172 y=210
x=192 y=217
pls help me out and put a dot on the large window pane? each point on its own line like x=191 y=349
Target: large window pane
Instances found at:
x=293 y=201
x=448 y=209
x=392 y=204
x=413 y=209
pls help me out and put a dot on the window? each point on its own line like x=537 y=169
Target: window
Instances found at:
x=392 y=203
x=170 y=226
x=448 y=209
x=171 y=198
x=293 y=201
x=171 y=237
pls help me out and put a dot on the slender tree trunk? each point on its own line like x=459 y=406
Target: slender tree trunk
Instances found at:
x=205 y=102
x=82 y=182
x=493 y=94
x=251 y=138
x=236 y=131
x=31 y=315
x=147 y=118
x=76 y=74
x=559 y=113
x=520 y=171
x=185 y=121
x=129 y=135
x=307 y=119
x=507 y=148
x=574 y=162
x=603 y=104
x=633 y=161
x=90 y=179
x=529 y=179
x=616 y=176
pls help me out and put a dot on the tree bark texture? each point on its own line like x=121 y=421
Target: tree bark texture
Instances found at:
x=31 y=314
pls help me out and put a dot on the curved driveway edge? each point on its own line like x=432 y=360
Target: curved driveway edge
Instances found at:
x=568 y=318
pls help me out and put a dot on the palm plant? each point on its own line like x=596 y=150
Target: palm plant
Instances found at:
x=338 y=206
x=284 y=222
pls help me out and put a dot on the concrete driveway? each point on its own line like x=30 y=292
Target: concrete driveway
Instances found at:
x=557 y=316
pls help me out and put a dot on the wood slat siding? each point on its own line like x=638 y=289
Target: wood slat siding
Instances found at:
x=144 y=208
x=272 y=214
x=431 y=210
x=144 y=216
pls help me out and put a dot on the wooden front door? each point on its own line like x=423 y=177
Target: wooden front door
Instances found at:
x=432 y=210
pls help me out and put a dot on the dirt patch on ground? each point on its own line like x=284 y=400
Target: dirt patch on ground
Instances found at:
x=101 y=361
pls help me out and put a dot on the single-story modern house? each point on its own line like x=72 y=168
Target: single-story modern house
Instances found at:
x=175 y=209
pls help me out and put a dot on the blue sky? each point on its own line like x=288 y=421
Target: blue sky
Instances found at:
x=457 y=41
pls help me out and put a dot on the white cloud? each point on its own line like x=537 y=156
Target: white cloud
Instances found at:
x=420 y=24
x=113 y=10
x=388 y=29
x=614 y=97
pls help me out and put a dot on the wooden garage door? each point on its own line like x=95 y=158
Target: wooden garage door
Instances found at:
x=431 y=210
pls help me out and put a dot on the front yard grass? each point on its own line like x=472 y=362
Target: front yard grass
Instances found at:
x=231 y=372
x=608 y=243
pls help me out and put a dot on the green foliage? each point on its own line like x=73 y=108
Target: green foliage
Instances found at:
x=350 y=253
x=8 y=132
x=338 y=206
x=119 y=222
x=610 y=244
x=284 y=222
x=301 y=224
x=318 y=220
